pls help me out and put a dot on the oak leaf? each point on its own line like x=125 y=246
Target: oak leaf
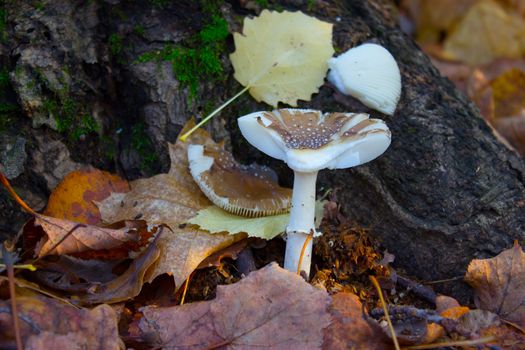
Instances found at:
x=61 y=237
x=271 y=308
x=170 y=199
x=499 y=284
x=282 y=57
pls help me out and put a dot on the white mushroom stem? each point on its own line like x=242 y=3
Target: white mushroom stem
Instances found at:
x=302 y=222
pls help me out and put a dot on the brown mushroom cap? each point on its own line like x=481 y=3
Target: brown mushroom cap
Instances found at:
x=245 y=190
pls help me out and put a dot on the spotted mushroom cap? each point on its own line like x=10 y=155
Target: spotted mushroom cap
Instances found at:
x=308 y=140
x=245 y=190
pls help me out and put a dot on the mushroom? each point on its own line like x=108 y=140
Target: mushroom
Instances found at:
x=369 y=73
x=308 y=141
x=245 y=190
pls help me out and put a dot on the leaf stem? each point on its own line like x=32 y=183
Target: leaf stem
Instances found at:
x=221 y=107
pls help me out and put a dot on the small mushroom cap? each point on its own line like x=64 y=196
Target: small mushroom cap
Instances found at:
x=308 y=140
x=245 y=190
x=369 y=73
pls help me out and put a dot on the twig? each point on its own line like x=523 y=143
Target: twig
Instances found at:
x=452 y=279
x=8 y=260
x=385 y=310
x=7 y=186
x=418 y=289
x=452 y=343
x=185 y=290
x=306 y=241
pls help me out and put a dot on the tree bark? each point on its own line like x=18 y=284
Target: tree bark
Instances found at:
x=445 y=192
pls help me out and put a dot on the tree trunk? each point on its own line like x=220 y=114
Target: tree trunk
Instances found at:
x=445 y=192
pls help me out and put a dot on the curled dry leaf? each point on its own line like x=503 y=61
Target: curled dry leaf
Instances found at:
x=73 y=199
x=87 y=241
x=129 y=284
x=170 y=199
x=349 y=329
x=282 y=57
x=271 y=308
x=48 y=324
x=499 y=284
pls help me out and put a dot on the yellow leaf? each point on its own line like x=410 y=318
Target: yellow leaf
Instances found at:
x=282 y=57
x=216 y=220
x=485 y=33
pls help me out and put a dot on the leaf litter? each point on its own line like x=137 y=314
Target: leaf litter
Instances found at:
x=349 y=322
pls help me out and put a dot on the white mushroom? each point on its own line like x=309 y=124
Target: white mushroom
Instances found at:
x=308 y=141
x=369 y=73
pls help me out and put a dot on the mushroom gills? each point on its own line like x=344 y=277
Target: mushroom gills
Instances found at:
x=244 y=190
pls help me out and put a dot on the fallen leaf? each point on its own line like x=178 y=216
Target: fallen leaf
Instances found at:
x=282 y=57
x=48 y=324
x=499 y=284
x=349 y=329
x=216 y=220
x=90 y=241
x=231 y=252
x=73 y=198
x=170 y=199
x=271 y=308
x=129 y=284
x=471 y=323
x=498 y=33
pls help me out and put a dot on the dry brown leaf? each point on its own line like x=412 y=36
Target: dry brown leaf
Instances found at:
x=73 y=199
x=231 y=252
x=127 y=285
x=349 y=330
x=282 y=57
x=171 y=199
x=89 y=241
x=486 y=32
x=271 y=308
x=499 y=284
x=48 y=324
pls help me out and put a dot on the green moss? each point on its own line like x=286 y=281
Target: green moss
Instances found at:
x=69 y=115
x=115 y=44
x=141 y=143
x=139 y=30
x=310 y=5
x=4 y=79
x=39 y=6
x=262 y=3
x=199 y=58
x=3 y=21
